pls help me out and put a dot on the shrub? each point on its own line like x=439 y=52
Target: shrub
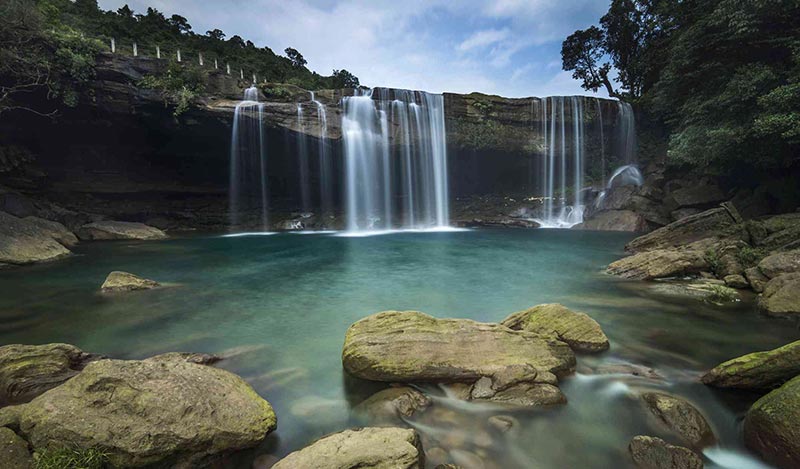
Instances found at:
x=749 y=256
x=714 y=261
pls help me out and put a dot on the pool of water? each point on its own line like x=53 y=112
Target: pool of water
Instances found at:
x=278 y=307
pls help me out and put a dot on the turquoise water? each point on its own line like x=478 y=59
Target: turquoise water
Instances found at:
x=278 y=306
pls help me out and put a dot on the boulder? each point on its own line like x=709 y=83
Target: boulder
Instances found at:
x=614 y=220
x=682 y=213
x=680 y=417
x=772 y=426
x=363 y=447
x=781 y=296
x=708 y=290
x=718 y=223
x=27 y=371
x=654 y=453
x=756 y=279
x=22 y=242
x=758 y=370
x=578 y=330
x=123 y=281
x=106 y=230
x=778 y=263
x=698 y=195
x=392 y=405
x=55 y=230
x=736 y=281
x=410 y=346
x=150 y=412
x=14 y=450
x=660 y=263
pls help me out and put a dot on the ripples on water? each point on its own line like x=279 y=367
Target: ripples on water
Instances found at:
x=278 y=307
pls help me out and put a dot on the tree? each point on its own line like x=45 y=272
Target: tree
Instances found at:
x=296 y=57
x=216 y=34
x=345 y=79
x=180 y=23
x=125 y=12
x=583 y=53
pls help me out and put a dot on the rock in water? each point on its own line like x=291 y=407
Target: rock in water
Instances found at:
x=717 y=223
x=654 y=453
x=759 y=370
x=55 y=230
x=14 y=450
x=392 y=405
x=385 y=448
x=105 y=230
x=123 y=281
x=781 y=296
x=772 y=425
x=27 y=371
x=681 y=417
x=660 y=263
x=410 y=346
x=22 y=242
x=578 y=330
x=149 y=412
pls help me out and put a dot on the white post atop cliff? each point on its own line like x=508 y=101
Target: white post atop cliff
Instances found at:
x=228 y=67
x=241 y=74
x=179 y=55
x=200 y=58
x=135 y=50
x=158 y=52
x=254 y=79
x=113 y=45
x=216 y=67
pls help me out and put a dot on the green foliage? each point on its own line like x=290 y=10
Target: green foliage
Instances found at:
x=180 y=85
x=713 y=259
x=276 y=92
x=66 y=458
x=749 y=256
x=720 y=294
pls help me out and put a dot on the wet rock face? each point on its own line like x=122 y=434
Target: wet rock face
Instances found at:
x=14 y=450
x=781 y=296
x=24 y=242
x=615 y=220
x=772 y=426
x=654 y=453
x=107 y=230
x=680 y=417
x=364 y=447
x=578 y=330
x=26 y=371
x=391 y=405
x=661 y=263
x=779 y=263
x=759 y=370
x=123 y=281
x=146 y=413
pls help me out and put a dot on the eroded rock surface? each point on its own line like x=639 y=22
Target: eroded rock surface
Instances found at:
x=23 y=242
x=681 y=417
x=578 y=330
x=783 y=262
x=772 y=426
x=759 y=370
x=391 y=405
x=781 y=296
x=118 y=281
x=107 y=230
x=14 y=451
x=615 y=220
x=654 y=453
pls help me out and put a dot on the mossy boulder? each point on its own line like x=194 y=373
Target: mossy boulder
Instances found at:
x=107 y=230
x=779 y=263
x=379 y=448
x=679 y=416
x=721 y=223
x=410 y=346
x=123 y=281
x=578 y=330
x=391 y=405
x=14 y=451
x=759 y=370
x=661 y=263
x=781 y=296
x=152 y=412
x=55 y=230
x=27 y=371
x=22 y=242
x=772 y=426
x=654 y=453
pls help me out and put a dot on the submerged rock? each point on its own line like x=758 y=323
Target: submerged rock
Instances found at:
x=681 y=417
x=410 y=346
x=780 y=263
x=781 y=296
x=578 y=330
x=23 y=242
x=14 y=450
x=654 y=453
x=27 y=371
x=364 y=447
x=759 y=370
x=118 y=281
x=149 y=412
x=106 y=230
x=392 y=405
x=772 y=426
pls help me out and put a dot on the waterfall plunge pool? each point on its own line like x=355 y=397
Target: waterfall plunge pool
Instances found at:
x=279 y=307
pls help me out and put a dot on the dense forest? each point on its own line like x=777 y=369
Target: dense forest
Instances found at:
x=51 y=45
x=720 y=77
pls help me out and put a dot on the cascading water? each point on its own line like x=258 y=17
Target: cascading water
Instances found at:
x=395 y=160
x=248 y=164
x=325 y=163
x=302 y=156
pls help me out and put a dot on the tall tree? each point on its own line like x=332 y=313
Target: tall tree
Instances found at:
x=296 y=57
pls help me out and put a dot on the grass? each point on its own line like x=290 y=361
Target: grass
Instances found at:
x=70 y=458
x=713 y=260
x=719 y=294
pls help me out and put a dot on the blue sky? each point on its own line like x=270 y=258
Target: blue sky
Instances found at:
x=506 y=47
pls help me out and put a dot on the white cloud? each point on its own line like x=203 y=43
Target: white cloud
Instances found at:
x=483 y=38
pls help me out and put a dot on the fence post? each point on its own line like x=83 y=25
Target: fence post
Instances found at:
x=241 y=74
x=135 y=50
x=113 y=46
x=158 y=52
x=215 y=65
x=179 y=55
x=228 y=66
x=200 y=57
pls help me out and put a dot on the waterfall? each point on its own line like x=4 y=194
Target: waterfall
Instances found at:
x=627 y=132
x=325 y=163
x=248 y=170
x=302 y=156
x=395 y=160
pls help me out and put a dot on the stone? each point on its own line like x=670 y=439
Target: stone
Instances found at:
x=107 y=230
x=781 y=296
x=22 y=242
x=55 y=230
x=578 y=330
x=682 y=213
x=772 y=426
x=736 y=281
x=660 y=263
x=756 y=279
x=778 y=263
x=392 y=405
x=379 y=448
x=694 y=195
x=118 y=281
x=410 y=346
x=654 y=453
x=709 y=290
x=503 y=423
x=758 y=370
x=716 y=223
x=615 y=220
x=14 y=451
x=680 y=417
x=27 y=371
x=148 y=412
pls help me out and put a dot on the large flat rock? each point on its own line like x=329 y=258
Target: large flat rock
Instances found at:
x=107 y=230
x=118 y=281
x=661 y=263
x=23 y=242
x=778 y=263
x=758 y=370
x=781 y=296
x=614 y=220
x=772 y=426
x=578 y=330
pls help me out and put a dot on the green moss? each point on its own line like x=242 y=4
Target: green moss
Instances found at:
x=713 y=259
x=749 y=256
x=71 y=458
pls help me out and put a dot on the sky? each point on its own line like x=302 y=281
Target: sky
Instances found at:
x=507 y=47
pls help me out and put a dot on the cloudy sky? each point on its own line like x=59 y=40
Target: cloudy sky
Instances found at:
x=506 y=47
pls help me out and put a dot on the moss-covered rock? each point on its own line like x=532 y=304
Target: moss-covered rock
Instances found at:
x=150 y=412
x=578 y=330
x=22 y=242
x=772 y=426
x=759 y=370
x=123 y=281
x=27 y=371
x=779 y=263
x=410 y=346
x=654 y=453
x=680 y=417
x=14 y=451
x=379 y=448
x=781 y=296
